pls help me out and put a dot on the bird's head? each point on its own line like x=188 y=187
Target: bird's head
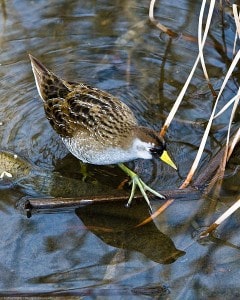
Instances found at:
x=149 y=144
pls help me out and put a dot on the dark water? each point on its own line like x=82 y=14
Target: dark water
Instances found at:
x=98 y=250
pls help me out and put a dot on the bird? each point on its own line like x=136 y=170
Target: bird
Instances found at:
x=97 y=127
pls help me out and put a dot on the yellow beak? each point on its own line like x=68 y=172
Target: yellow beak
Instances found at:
x=167 y=159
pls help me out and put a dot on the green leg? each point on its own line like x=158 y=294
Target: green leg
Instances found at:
x=84 y=171
x=137 y=181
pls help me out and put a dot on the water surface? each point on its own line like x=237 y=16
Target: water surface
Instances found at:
x=97 y=250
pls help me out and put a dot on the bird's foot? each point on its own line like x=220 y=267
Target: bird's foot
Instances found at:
x=143 y=187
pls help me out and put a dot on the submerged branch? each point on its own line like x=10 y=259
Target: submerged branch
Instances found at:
x=30 y=205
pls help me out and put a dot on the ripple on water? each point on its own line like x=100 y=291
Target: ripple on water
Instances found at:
x=111 y=44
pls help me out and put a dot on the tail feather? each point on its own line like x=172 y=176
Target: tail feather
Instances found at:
x=48 y=84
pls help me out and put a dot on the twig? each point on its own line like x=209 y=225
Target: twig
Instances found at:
x=223 y=217
x=185 y=87
x=237 y=22
x=30 y=205
x=158 y=24
x=223 y=165
x=206 y=133
x=235 y=206
x=200 y=40
x=226 y=106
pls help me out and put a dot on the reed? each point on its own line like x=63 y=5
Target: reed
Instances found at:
x=231 y=104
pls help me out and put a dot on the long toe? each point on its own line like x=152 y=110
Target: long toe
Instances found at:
x=142 y=187
x=147 y=188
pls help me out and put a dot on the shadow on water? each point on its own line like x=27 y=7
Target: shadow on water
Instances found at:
x=117 y=226
x=99 y=250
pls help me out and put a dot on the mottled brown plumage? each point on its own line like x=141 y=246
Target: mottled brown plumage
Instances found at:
x=96 y=126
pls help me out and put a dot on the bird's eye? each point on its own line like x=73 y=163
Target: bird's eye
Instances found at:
x=157 y=150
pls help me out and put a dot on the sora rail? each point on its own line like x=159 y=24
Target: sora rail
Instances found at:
x=97 y=127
